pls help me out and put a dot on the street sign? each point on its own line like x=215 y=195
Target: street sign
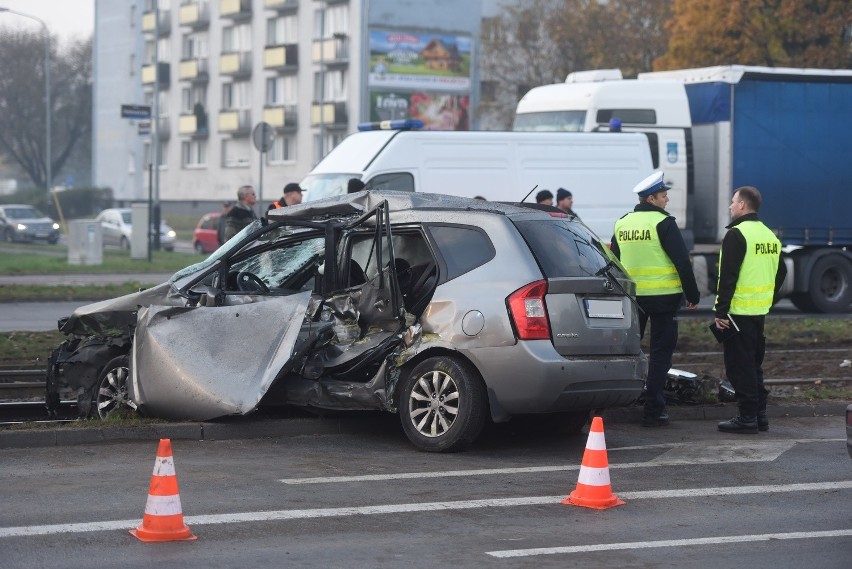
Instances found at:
x=263 y=136
x=141 y=112
x=143 y=127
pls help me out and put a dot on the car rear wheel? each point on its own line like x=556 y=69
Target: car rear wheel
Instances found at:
x=443 y=405
x=199 y=248
x=125 y=244
x=111 y=395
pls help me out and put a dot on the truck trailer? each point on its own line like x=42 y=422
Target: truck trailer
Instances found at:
x=787 y=132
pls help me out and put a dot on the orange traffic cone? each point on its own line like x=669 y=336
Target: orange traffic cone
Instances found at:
x=593 y=488
x=163 y=519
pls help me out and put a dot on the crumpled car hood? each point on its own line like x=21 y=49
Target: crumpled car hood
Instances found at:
x=194 y=371
x=117 y=316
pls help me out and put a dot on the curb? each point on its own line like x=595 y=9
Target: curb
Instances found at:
x=358 y=423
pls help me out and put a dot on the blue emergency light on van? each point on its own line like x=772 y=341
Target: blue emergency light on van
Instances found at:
x=401 y=124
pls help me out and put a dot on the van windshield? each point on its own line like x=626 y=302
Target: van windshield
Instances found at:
x=319 y=186
x=550 y=121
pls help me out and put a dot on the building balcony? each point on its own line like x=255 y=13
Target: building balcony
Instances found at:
x=149 y=74
x=193 y=70
x=281 y=117
x=235 y=9
x=195 y=15
x=193 y=125
x=236 y=122
x=331 y=115
x=281 y=57
x=281 y=5
x=164 y=128
x=331 y=51
x=149 y=22
x=235 y=64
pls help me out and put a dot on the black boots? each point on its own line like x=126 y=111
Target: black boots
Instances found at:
x=660 y=420
x=762 y=421
x=741 y=425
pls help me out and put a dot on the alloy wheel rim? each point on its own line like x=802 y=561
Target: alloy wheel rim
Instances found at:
x=112 y=394
x=434 y=403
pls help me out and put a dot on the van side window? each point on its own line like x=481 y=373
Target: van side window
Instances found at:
x=462 y=248
x=628 y=116
x=396 y=181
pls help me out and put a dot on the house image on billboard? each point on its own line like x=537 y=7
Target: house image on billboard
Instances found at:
x=438 y=55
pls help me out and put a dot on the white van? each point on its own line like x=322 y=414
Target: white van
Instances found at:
x=600 y=169
x=588 y=100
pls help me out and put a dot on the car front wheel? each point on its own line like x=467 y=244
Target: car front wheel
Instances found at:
x=443 y=405
x=111 y=394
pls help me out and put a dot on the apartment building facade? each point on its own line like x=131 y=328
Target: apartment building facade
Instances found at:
x=212 y=71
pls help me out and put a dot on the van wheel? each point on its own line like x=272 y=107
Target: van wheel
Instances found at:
x=831 y=284
x=443 y=405
x=111 y=395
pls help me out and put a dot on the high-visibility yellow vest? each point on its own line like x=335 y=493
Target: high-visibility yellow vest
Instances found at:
x=756 y=283
x=643 y=256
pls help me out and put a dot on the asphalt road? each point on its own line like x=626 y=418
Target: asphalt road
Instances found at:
x=694 y=498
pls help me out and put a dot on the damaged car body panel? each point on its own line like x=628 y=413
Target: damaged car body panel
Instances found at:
x=444 y=310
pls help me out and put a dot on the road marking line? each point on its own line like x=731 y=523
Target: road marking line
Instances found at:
x=727 y=540
x=729 y=453
x=278 y=515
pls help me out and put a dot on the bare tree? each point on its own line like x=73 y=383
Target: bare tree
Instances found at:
x=22 y=106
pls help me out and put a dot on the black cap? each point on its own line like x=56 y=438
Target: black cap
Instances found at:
x=543 y=195
x=292 y=187
x=561 y=194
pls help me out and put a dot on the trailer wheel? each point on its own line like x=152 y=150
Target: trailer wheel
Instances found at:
x=830 y=284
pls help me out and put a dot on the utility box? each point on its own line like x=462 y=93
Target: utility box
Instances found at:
x=85 y=242
x=140 y=220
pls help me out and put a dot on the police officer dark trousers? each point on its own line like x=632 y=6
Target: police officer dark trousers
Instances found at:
x=750 y=276
x=651 y=248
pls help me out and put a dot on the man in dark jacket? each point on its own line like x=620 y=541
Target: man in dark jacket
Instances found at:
x=241 y=214
x=292 y=195
x=220 y=224
x=751 y=273
x=651 y=248
x=565 y=201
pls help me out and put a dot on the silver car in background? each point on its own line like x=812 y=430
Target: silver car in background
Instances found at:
x=26 y=223
x=117 y=229
x=447 y=311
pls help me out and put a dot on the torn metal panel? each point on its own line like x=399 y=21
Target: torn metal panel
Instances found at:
x=184 y=365
x=116 y=316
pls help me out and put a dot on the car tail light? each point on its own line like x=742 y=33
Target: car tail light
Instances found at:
x=528 y=311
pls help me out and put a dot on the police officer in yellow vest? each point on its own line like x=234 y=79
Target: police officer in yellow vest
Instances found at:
x=651 y=248
x=750 y=276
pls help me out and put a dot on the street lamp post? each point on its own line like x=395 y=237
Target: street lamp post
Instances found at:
x=47 y=157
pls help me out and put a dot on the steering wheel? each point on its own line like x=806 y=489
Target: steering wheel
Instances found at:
x=250 y=282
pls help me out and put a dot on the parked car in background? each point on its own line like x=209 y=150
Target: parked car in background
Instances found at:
x=446 y=311
x=205 y=238
x=26 y=223
x=117 y=228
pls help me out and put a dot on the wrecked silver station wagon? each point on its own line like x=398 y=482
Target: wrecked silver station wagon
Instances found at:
x=445 y=310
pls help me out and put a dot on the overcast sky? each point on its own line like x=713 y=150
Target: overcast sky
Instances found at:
x=65 y=18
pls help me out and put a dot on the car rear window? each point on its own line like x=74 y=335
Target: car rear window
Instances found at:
x=564 y=248
x=462 y=248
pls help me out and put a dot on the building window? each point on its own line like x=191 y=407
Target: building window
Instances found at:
x=189 y=96
x=193 y=46
x=324 y=143
x=282 y=30
x=164 y=47
x=333 y=20
x=132 y=64
x=194 y=153
x=164 y=153
x=236 y=95
x=149 y=52
x=236 y=152
x=281 y=90
x=330 y=85
x=236 y=38
x=283 y=150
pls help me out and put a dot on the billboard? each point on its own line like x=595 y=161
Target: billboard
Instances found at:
x=438 y=111
x=419 y=61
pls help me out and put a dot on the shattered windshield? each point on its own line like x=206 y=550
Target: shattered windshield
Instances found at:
x=275 y=267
